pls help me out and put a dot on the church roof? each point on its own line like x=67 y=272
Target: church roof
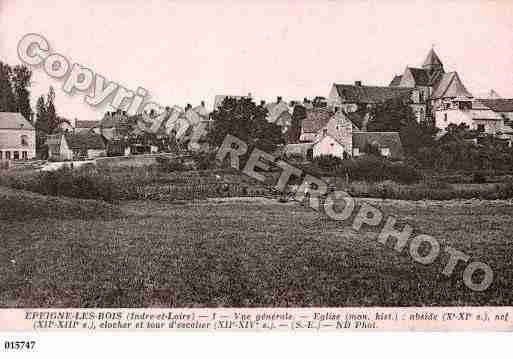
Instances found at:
x=370 y=94
x=432 y=59
x=450 y=85
x=420 y=76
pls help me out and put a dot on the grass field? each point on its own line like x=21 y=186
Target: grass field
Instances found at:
x=245 y=253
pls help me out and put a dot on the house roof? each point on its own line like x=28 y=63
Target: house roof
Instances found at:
x=86 y=124
x=14 y=121
x=499 y=105
x=370 y=94
x=396 y=81
x=390 y=140
x=316 y=118
x=85 y=140
x=450 y=85
x=355 y=118
x=420 y=76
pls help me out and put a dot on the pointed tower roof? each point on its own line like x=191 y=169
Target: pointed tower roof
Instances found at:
x=432 y=60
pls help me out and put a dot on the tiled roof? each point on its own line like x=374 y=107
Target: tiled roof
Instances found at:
x=390 y=140
x=370 y=94
x=14 y=121
x=499 y=105
x=86 y=124
x=85 y=141
x=316 y=118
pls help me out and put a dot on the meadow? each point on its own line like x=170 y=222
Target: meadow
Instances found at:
x=238 y=252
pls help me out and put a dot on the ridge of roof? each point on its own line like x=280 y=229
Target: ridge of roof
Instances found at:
x=14 y=121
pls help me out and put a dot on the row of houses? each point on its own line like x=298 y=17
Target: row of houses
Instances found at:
x=334 y=125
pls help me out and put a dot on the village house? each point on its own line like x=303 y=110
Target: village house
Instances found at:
x=341 y=135
x=79 y=146
x=17 y=137
x=472 y=113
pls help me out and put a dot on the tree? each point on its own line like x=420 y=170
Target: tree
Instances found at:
x=7 y=98
x=396 y=115
x=51 y=113
x=41 y=121
x=247 y=121
x=294 y=132
x=21 y=82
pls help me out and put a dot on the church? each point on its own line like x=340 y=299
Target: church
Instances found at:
x=436 y=86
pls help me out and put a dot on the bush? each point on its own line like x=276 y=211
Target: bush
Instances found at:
x=328 y=162
x=366 y=168
x=478 y=178
x=167 y=164
x=204 y=161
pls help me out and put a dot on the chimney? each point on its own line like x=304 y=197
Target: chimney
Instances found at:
x=203 y=103
x=358 y=83
x=278 y=99
x=262 y=103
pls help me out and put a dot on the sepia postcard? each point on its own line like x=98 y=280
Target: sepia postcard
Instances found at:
x=255 y=166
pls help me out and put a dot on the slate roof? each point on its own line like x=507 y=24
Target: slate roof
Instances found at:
x=316 y=118
x=14 y=121
x=85 y=141
x=390 y=140
x=370 y=94
x=450 y=85
x=498 y=105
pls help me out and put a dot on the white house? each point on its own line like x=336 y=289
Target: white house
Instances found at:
x=473 y=113
x=17 y=137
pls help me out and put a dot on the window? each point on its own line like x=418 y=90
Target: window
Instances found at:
x=445 y=117
x=24 y=155
x=16 y=155
x=325 y=132
x=481 y=128
x=356 y=151
x=1 y=153
x=24 y=140
x=385 y=152
x=7 y=155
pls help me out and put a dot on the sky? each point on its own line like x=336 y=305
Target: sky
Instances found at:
x=189 y=51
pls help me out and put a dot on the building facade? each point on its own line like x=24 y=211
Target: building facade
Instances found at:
x=17 y=137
